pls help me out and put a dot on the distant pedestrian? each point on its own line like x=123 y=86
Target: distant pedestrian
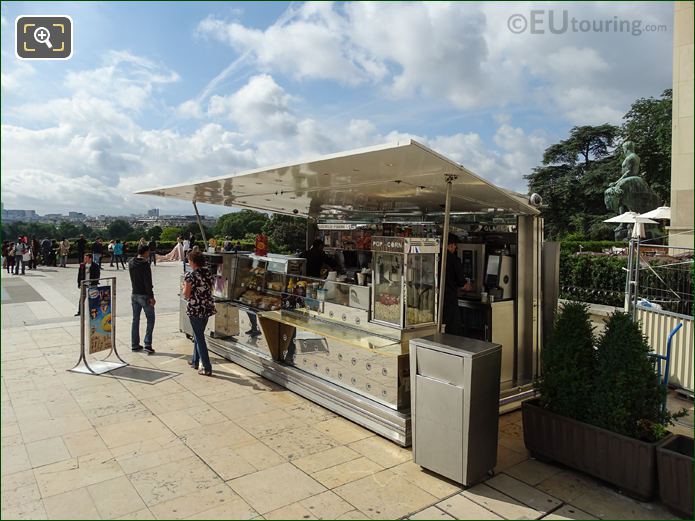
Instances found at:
x=36 y=252
x=10 y=257
x=237 y=246
x=153 y=251
x=142 y=299
x=197 y=290
x=19 y=250
x=97 y=251
x=118 y=253
x=142 y=242
x=5 y=251
x=109 y=247
x=81 y=247
x=63 y=251
x=87 y=270
x=186 y=250
x=46 y=246
x=227 y=245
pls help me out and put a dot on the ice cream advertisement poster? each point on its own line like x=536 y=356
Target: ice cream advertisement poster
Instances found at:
x=99 y=318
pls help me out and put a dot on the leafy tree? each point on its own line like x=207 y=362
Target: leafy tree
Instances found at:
x=586 y=143
x=155 y=231
x=576 y=171
x=238 y=224
x=119 y=229
x=286 y=231
x=68 y=229
x=648 y=125
x=170 y=233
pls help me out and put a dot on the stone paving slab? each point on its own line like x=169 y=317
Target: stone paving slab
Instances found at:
x=234 y=446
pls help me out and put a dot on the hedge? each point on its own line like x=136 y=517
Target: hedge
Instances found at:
x=599 y=279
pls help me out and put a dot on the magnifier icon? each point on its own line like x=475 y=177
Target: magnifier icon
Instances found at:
x=43 y=35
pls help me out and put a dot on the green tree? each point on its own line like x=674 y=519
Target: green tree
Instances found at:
x=68 y=229
x=286 y=231
x=648 y=125
x=238 y=224
x=155 y=231
x=576 y=171
x=585 y=144
x=119 y=229
x=170 y=233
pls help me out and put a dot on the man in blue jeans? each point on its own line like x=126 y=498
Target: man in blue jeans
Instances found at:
x=142 y=298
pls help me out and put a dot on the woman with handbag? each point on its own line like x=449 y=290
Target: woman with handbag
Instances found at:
x=197 y=290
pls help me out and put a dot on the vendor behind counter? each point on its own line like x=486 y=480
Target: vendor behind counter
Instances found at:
x=455 y=279
x=316 y=258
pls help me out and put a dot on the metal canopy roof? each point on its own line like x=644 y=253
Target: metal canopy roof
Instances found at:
x=390 y=179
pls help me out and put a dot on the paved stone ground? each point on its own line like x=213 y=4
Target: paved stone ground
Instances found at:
x=230 y=447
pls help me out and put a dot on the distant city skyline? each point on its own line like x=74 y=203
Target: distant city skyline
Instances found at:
x=163 y=93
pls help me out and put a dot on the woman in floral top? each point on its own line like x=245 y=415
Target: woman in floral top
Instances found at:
x=197 y=290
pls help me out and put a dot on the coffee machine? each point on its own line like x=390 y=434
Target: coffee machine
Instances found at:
x=499 y=276
x=473 y=258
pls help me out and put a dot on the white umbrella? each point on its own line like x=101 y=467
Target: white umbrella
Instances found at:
x=662 y=212
x=629 y=218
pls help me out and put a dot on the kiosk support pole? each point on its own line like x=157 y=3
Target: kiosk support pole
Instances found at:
x=445 y=237
x=200 y=225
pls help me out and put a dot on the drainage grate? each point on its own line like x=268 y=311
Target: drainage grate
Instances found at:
x=142 y=375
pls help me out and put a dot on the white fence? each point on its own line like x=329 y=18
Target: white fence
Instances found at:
x=656 y=325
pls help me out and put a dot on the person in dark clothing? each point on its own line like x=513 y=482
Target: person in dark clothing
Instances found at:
x=197 y=290
x=87 y=267
x=81 y=246
x=455 y=278
x=97 y=251
x=46 y=247
x=153 y=251
x=316 y=258
x=35 y=249
x=142 y=298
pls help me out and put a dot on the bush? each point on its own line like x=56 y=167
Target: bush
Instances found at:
x=568 y=363
x=599 y=279
x=627 y=396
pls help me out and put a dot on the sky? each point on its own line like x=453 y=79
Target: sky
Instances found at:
x=158 y=93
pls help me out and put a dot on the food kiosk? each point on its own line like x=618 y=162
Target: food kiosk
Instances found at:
x=342 y=339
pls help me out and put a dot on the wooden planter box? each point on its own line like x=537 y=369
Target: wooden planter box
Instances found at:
x=675 y=468
x=625 y=462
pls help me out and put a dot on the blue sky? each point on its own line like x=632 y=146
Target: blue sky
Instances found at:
x=163 y=92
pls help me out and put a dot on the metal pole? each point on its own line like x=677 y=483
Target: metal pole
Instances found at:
x=628 y=278
x=200 y=225
x=445 y=240
x=636 y=288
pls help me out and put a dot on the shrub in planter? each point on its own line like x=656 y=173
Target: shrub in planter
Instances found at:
x=627 y=396
x=617 y=437
x=568 y=363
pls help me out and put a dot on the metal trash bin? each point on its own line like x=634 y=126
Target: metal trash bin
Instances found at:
x=455 y=391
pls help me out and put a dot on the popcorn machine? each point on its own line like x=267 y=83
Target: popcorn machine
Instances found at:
x=405 y=274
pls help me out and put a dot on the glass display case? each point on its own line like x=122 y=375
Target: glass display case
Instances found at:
x=223 y=268
x=263 y=282
x=405 y=274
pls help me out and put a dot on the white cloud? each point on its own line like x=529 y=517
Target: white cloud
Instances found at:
x=261 y=107
x=12 y=81
x=125 y=79
x=464 y=53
